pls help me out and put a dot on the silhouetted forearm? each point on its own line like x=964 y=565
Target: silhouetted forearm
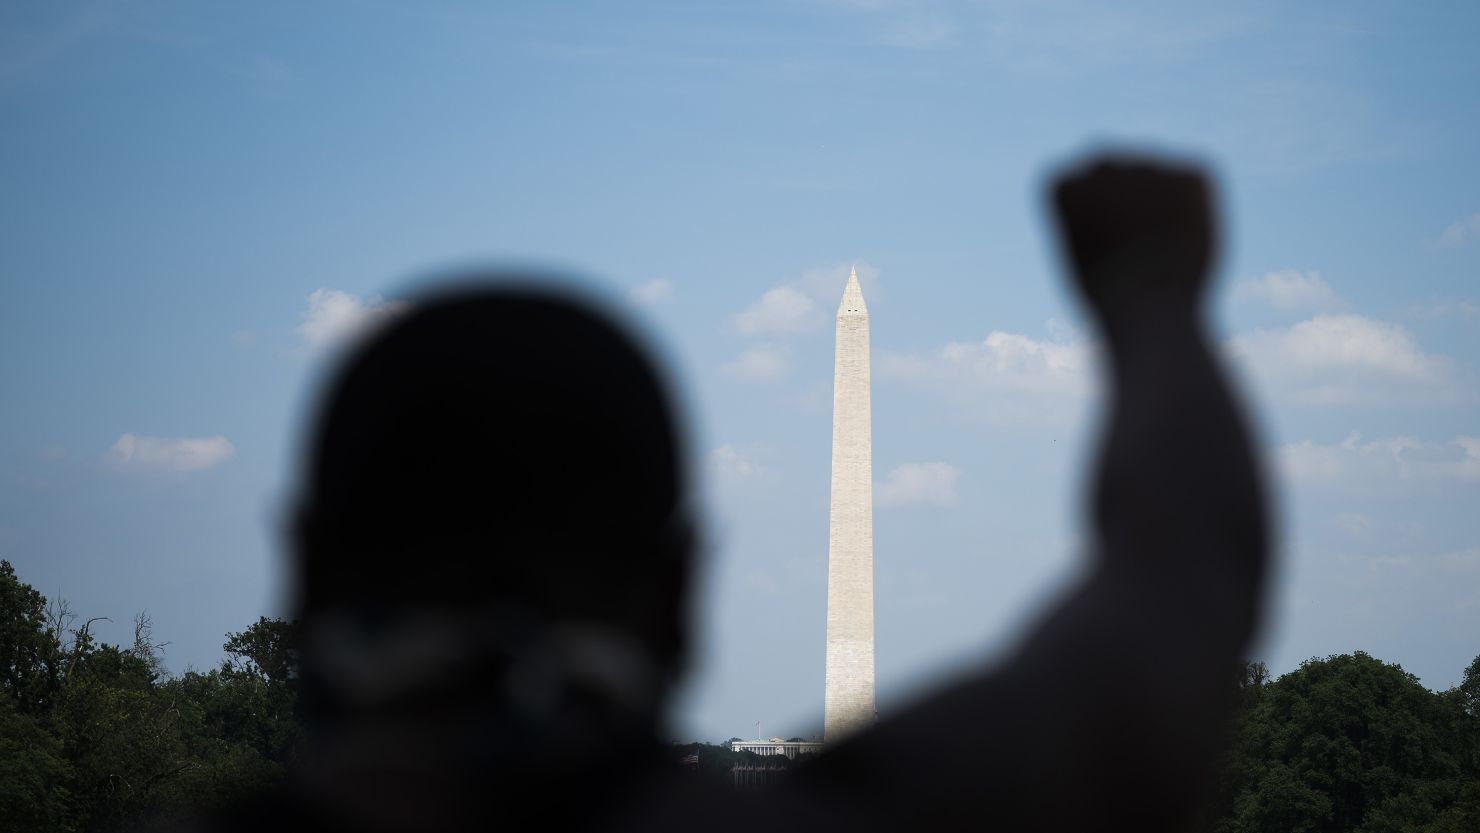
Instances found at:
x=1176 y=495
x=1110 y=713
x=1111 y=710
x=1141 y=658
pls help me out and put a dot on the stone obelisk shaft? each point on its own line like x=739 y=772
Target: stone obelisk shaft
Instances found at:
x=848 y=704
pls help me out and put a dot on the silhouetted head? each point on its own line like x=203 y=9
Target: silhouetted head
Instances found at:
x=494 y=514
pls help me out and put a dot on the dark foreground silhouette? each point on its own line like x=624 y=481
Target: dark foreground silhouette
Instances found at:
x=494 y=547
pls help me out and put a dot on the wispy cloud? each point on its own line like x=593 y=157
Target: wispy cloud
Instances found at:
x=727 y=461
x=1461 y=232
x=1008 y=377
x=1345 y=359
x=760 y=362
x=803 y=305
x=782 y=310
x=1328 y=359
x=1357 y=464
x=1354 y=524
x=333 y=317
x=652 y=292
x=908 y=24
x=1467 y=310
x=922 y=30
x=1288 y=289
x=1445 y=563
x=918 y=483
x=1045 y=37
x=1001 y=361
x=796 y=308
x=179 y=454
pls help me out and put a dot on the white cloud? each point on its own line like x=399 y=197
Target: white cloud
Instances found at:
x=1461 y=231
x=726 y=460
x=1344 y=359
x=652 y=292
x=918 y=483
x=781 y=310
x=1329 y=341
x=1468 y=310
x=1005 y=377
x=1002 y=360
x=803 y=305
x=1355 y=464
x=1288 y=289
x=333 y=316
x=169 y=453
x=1329 y=359
x=759 y=362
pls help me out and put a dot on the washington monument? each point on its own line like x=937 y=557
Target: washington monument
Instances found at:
x=848 y=704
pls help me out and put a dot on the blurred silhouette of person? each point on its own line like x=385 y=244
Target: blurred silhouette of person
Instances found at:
x=495 y=542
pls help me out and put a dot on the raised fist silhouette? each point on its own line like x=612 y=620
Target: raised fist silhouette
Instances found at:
x=1139 y=234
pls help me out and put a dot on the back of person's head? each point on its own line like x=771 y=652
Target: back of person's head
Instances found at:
x=493 y=519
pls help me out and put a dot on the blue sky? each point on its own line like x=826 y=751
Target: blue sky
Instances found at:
x=201 y=203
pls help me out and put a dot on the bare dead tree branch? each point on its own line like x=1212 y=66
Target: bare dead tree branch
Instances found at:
x=59 y=617
x=79 y=640
x=145 y=647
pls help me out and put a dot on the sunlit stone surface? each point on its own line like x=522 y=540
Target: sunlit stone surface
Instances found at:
x=848 y=704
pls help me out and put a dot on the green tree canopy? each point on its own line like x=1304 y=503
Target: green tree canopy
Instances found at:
x=98 y=737
x=1348 y=743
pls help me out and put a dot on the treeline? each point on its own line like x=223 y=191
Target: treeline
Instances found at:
x=97 y=737
x=1351 y=743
